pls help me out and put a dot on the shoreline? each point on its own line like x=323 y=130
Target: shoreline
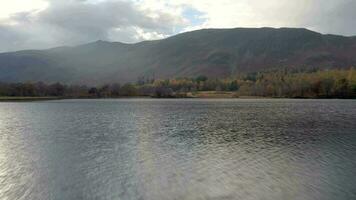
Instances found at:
x=32 y=99
x=27 y=99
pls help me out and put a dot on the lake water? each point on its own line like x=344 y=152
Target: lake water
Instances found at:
x=178 y=149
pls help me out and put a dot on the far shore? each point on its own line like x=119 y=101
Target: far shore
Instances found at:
x=195 y=95
x=6 y=99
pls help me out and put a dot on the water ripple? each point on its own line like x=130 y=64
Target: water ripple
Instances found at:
x=178 y=149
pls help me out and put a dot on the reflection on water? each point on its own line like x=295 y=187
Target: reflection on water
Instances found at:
x=178 y=149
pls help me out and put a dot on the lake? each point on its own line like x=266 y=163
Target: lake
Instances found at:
x=178 y=149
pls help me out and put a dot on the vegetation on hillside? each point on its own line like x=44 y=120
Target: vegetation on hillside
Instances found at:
x=279 y=84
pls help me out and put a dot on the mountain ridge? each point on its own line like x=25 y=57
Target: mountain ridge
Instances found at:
x=210 y=52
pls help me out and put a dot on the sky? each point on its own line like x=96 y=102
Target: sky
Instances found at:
x=39 y=24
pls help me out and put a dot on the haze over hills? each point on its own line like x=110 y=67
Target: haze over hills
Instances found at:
x=210 y=52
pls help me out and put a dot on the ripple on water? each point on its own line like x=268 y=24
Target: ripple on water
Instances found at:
x=178 y=149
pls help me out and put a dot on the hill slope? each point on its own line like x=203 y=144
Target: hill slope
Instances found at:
x=211 y=52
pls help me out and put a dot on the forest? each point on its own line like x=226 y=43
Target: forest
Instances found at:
x=277 y=84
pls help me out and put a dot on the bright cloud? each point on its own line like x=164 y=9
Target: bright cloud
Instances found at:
x=16 y=6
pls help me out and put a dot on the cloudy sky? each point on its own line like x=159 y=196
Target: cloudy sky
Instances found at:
x=37 y=24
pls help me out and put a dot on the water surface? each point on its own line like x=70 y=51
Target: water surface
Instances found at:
x=178 y=149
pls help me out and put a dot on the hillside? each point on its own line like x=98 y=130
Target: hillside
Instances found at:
x=210 y=52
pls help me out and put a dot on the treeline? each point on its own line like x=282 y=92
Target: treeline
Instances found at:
x=280 y=84
x=318 y=84
x=40 y=89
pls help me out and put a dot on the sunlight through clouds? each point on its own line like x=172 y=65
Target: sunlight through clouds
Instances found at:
x=15 y=6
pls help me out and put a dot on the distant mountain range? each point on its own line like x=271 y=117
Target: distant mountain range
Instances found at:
x=210 y=52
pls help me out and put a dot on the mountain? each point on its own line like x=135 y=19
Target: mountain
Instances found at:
x=210 y=52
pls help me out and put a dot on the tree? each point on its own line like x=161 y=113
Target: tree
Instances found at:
x=326 y=86
x=104 y=91
x=115 y=89
x=341 y=88
x=56 y=89
x=93 y=92
x=234 y=86
x=201 y=78
x=128 y=90
x=164 y=92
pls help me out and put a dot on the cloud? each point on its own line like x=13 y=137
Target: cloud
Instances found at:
x=48 y=23
x=15 y=6
x=337 y=17
x=74 y=22
x=326 y=16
